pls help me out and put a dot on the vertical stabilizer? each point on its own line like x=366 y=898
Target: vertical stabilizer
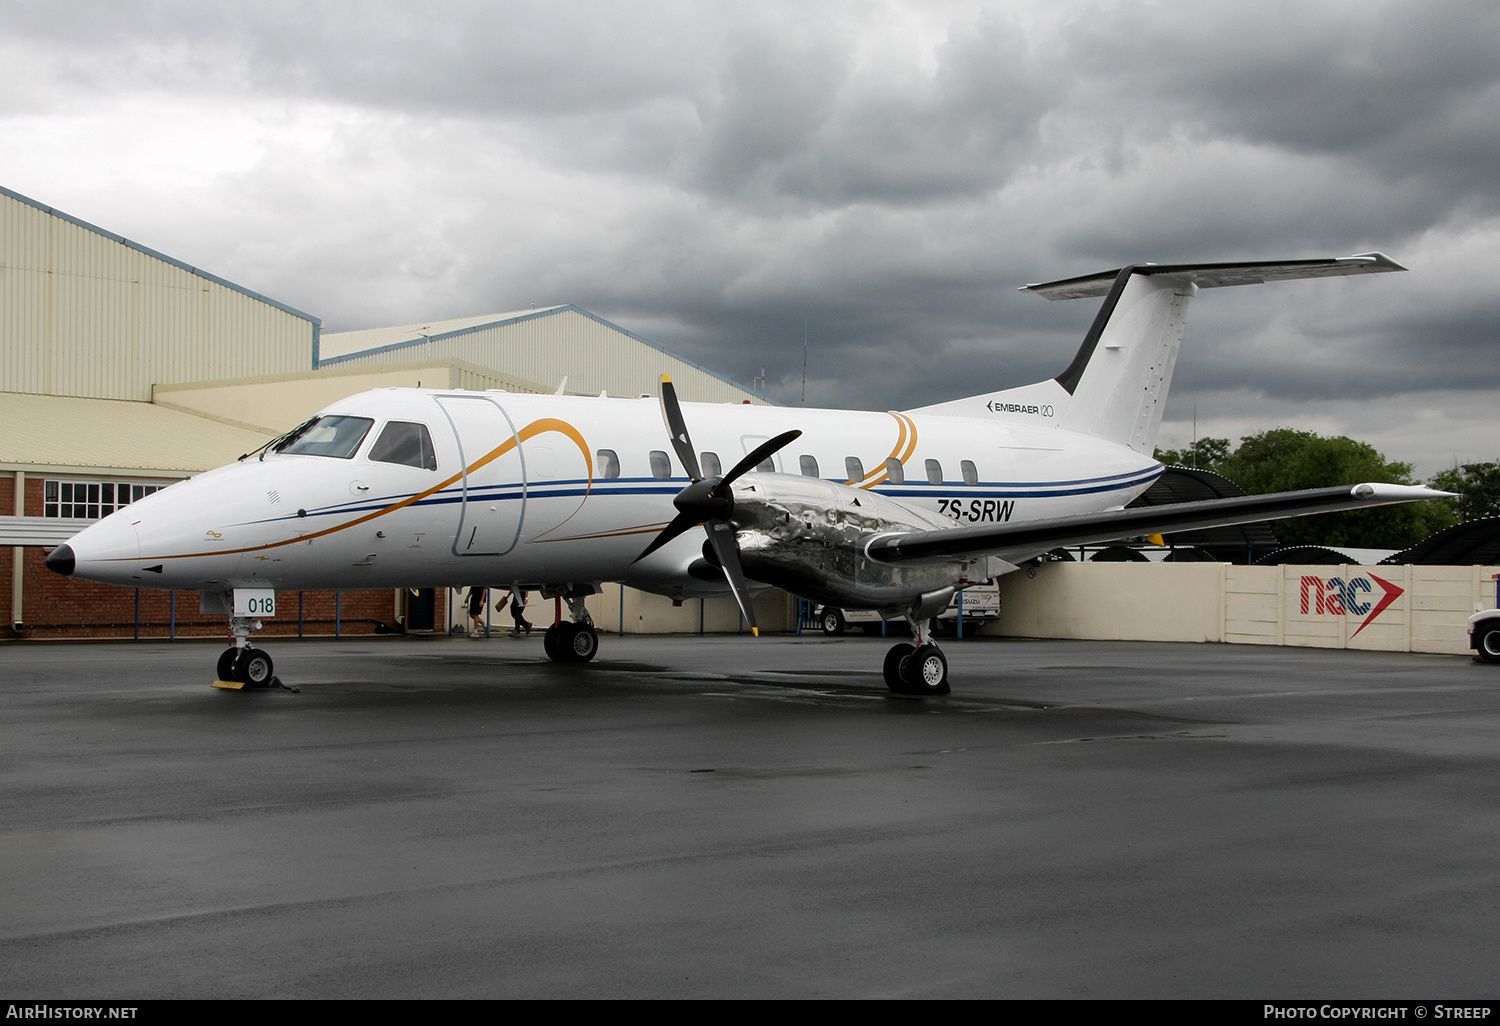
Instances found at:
x=1120 y=377
x=1116 y=386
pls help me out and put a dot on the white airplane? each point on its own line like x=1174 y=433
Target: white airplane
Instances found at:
x=405 y=488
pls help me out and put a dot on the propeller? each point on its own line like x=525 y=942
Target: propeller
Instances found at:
x=709 y=501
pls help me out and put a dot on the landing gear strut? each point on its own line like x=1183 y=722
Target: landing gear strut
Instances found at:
x=919 y=669
x=575 y=641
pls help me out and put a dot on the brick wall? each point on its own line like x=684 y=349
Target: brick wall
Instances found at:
x=54 y=606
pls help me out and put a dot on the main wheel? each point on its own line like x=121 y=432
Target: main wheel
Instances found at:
x=254 y=667
x=226 y=663
x=925 y=671
x=549 y=642
x=892 y=668
x=832 y=621
x=581 y=643
x=1488 y=643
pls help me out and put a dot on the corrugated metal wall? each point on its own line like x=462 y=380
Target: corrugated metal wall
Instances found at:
x=593 y=355
x=84 y=314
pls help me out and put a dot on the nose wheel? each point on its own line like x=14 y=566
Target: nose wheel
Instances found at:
x=246 y=665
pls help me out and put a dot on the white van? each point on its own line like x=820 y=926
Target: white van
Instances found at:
x=980 y=604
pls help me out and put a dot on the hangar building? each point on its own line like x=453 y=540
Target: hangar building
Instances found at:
x=123 y=369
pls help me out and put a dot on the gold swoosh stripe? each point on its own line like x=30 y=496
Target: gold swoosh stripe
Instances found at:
x=906 y=444
x=531 y=430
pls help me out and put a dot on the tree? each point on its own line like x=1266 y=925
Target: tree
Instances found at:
x=1478 y=488
x=1204 y=454
x=1284 y=459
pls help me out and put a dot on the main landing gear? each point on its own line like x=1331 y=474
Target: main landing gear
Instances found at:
x=919 y=669
x=573 y=641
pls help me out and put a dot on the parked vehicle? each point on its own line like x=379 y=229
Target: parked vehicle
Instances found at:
x=981 y=604
x=1484 y=634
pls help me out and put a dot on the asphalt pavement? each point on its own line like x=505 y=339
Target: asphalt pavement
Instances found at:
x=730 y=817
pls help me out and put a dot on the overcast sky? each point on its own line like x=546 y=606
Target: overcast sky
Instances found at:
x=712 y=176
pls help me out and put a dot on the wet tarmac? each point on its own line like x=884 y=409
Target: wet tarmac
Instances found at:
x=729 y=817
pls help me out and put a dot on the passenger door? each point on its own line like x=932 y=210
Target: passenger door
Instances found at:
x=494 y=483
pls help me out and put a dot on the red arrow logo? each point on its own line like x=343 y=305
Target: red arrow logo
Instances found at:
x=1392 y=592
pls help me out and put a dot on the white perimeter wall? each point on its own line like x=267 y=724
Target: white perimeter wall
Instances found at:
x=1314 y=606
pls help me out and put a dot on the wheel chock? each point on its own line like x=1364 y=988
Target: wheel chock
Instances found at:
x=239 y=685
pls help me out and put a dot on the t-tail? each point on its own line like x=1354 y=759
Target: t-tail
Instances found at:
x=1116 y=386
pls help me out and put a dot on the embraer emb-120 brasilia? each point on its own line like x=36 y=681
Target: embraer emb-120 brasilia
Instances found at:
x=407 y=488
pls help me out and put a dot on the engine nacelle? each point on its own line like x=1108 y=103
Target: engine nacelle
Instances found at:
x=808 y=536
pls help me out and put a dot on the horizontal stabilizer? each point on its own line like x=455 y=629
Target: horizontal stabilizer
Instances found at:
x=1212 y=276
x=1018 y=541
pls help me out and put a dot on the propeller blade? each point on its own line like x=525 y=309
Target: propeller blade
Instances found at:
x=680 y=523
x=759 y=455
x=671 y=413
x=721 y=537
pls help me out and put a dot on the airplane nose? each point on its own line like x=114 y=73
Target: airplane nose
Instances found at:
x=61 y=560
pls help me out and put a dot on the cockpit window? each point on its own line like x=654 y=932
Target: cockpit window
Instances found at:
x=329 y=436
x=405 y=443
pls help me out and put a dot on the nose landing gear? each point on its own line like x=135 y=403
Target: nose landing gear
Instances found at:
x=244 y=665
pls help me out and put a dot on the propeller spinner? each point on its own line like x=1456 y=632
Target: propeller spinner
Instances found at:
x=709 y=501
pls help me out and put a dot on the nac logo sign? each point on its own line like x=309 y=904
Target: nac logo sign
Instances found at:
x=1334 y=596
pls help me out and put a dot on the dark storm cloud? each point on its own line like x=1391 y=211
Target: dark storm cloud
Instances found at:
x=714 y=175
x=1381 y=82
x=804 y=123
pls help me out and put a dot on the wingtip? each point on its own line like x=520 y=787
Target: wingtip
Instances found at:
x=1398 y=493
x=1381 y=261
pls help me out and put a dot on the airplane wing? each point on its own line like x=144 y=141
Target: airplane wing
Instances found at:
x=1017 y=542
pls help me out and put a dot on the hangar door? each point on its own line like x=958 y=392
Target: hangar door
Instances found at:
x=494 y=479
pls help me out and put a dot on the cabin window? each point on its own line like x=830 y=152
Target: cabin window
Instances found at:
x=406 y=443
x=711 y=466
x=809 y=466
x=971 y=475
x=609 y=463
x=854 y=469
x=661 y=467
x=934 y=472
x=338 y=437
x=895 y=473
x=767 y=465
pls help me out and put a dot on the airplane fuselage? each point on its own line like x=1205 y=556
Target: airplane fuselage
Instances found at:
x=542 y=490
